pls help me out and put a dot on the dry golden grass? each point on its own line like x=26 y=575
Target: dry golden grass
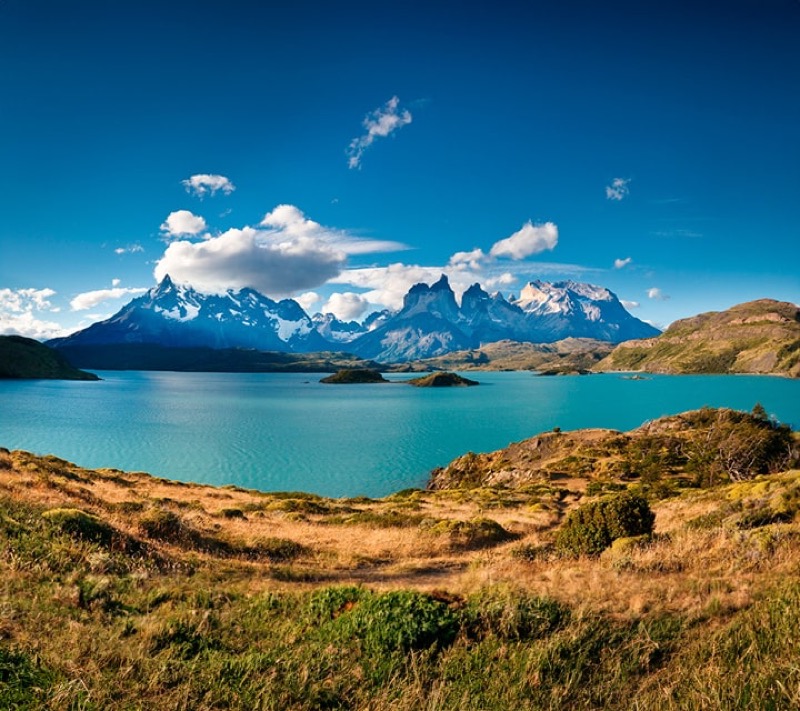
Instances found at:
x=389 y=543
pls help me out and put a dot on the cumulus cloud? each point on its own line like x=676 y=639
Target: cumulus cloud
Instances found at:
x=346 y=306
x=20 y=313
x=656 y=294
x=182 y=222
x=288 y=252
x=129 y=249
x=278 y=265
x=473 y=259
x=379 y=123
x=204 y=184
x=90 y=299
x=115 y=282
x=622 y=263
x=308 y=300
x=629 y=304
x=529 y=239
x=618 y=190
x=388 y=285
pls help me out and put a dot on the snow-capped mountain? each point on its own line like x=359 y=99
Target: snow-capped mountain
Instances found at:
x=431 y=323
x=573 y=309
x=171 y=314
x=335 y=330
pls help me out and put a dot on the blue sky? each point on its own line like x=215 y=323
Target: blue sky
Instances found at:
x=339 y=152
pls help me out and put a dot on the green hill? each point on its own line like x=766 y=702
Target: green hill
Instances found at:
x=759 y=337
x=25 y=358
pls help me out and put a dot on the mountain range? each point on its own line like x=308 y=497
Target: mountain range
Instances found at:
x=430 y=322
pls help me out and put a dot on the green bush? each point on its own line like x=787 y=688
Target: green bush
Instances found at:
x=592 y=527
x=399 y=621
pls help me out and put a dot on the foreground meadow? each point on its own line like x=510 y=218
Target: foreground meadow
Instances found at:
x=120 y=590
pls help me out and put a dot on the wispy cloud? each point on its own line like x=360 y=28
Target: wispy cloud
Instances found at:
x=129 y=249
x=622 y=263
x=90 y=299
x=656 y=294
x=379 y=123
x=182 y=222
x=618 y=190
x=629 y=304
x=204 y=184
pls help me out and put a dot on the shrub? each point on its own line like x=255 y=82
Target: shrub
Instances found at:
x=81 y=525
x=592 y=527
x=162 y=525
x=476 y=533
x=399 y=621
x=277 y=549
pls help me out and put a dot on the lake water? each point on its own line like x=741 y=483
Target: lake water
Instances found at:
x=289 y=432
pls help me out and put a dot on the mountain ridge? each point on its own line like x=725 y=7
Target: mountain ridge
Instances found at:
x=430 y=323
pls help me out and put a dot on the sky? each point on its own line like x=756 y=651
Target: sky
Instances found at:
x=339 y=152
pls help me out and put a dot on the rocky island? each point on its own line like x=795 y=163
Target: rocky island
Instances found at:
x=350 y=376
x=442 y=380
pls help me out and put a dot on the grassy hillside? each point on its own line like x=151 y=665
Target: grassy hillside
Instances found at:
x=121 y=590
x=25 y=358
x=568 y=356
x=756 y=337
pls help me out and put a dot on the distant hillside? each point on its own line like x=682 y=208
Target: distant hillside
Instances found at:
x=24 y=358
x=146 y=356
x=755 y=337
x=567 y=355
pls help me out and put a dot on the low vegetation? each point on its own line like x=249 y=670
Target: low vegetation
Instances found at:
x=632 y=581
x=755 y=337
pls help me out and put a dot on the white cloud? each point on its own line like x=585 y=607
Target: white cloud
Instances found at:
x=618 y=190
x=90 y=299
x=115 y=282
x=204 y=184
x=19 y=313
x=182 y=222
x=473 y=259
x=657 y=294
x=346 y=306
x=287 y=253
x=529 y=239
x=622 y=263
x=308 y=300
x=273 y=264
x=629 y=304
x=129 y=249
x=379 y=123
x=388 y=285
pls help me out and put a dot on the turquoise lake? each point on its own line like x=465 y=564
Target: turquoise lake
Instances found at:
x=289 y=432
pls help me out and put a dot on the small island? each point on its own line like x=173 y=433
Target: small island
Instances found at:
x=442 y=380
x=348 y=376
